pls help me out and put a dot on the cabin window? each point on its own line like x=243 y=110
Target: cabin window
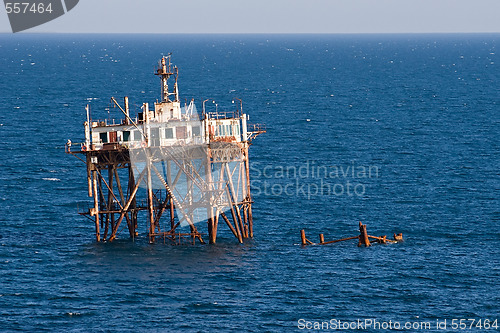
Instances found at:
x=103 y=137
x=196 y=131
x=236 y=129
x=155 y=136
x=155 y=133
x=169 y=133
x=126 y=135
x=112 y=136
x=180 y=132
x=137 y=136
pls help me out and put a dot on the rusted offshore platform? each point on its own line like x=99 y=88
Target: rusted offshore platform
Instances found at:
x=176 y=166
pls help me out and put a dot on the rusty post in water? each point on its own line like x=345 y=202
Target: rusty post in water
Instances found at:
x=363 y=235
x=303 y=237
x=398 y=237
x=321 y=238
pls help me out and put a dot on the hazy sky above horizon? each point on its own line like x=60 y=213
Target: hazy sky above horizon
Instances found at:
x=274 y=16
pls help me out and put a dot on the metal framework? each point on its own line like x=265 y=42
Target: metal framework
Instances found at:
x=214 y=172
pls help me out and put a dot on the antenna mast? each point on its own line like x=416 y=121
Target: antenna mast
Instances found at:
x=165 y=70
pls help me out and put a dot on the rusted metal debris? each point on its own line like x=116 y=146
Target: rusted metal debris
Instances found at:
x=363 y=238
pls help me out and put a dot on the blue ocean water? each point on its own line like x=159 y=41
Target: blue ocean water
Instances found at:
x=417 y=117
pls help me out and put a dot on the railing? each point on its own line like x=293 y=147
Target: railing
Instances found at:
x=257 y=128
x=111 y=122
x=222 y=115
x=74 y=147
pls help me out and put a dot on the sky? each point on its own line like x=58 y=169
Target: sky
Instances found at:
x=274 y=16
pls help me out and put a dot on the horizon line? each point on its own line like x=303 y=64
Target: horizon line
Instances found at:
x=249 y=33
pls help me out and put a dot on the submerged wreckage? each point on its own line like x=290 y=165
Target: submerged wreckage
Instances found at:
x=176 y=166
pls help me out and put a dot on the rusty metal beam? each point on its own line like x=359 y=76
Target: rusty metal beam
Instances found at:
x=125 y=208
x=96 y=206
x=122 y=198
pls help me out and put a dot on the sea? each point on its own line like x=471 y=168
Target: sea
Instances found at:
x=397 y=131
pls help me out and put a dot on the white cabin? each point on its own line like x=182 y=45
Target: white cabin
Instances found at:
x=168 y=124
